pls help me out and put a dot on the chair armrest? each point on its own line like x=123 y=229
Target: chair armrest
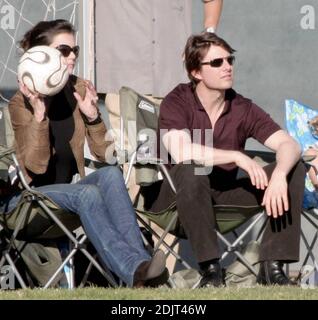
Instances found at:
x=153 y=161
x=93 y=164
x=308 y=158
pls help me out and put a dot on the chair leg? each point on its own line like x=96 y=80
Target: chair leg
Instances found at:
x=172 y=284
x=164 y=234
x=60 y=268
x=310 y=247
x=310 y=219
x=233 y=247
x=262 y=229
x=237 y=253
x=148 y=246
x=79 y=245
x=104 y=273
x=15 y=270
x=6 y=257
x=86 y=273
x=162 y=242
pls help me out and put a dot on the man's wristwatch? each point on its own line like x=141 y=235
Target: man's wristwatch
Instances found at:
x=96 y=121
x=209 y=29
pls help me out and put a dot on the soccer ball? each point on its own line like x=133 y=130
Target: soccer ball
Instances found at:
x=42 y=70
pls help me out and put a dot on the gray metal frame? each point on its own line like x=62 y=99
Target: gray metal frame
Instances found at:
x=76 y=244
x=229 y=247
x=312 y=217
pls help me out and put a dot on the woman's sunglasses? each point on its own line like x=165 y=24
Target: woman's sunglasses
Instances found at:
x=216 y=63
x=66 y=50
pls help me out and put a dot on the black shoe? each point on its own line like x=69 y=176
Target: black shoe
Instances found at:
x=271 y=273
x=211 y=276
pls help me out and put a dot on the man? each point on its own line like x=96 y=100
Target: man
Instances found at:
x=210 y=104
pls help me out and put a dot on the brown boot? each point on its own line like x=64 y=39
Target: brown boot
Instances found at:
x=150 y=269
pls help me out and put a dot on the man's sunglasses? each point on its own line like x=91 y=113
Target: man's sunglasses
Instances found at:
x=216 y=63
x=66 y=50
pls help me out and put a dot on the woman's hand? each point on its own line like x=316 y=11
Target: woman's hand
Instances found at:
x=37 y=102
x=88 y=104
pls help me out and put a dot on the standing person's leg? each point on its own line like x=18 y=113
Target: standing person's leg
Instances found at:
x=110 y=182
x=130 y=264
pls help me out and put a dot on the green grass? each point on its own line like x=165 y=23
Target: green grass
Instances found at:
x=257 y=293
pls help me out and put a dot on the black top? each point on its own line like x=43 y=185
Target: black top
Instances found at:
x=62 y=165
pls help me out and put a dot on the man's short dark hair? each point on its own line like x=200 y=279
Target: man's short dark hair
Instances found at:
x=197 y=47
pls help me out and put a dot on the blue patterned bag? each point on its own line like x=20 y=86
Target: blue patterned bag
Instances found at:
x=299 y=124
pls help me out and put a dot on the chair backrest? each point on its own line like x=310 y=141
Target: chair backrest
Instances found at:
x=139 y=111
x=6 y=143
x=139 y=121
x=6 y=131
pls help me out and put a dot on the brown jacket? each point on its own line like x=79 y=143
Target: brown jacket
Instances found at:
x=32 y=138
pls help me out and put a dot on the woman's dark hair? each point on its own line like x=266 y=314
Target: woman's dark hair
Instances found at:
x=197 y=47
x=44 y=32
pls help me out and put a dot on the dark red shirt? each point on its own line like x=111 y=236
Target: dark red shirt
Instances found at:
x=241 y=119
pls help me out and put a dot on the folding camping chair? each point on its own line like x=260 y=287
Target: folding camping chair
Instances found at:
x=138 y=110
x=35 y=221
x=297 y=118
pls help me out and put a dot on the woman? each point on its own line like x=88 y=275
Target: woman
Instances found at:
x=49 y=139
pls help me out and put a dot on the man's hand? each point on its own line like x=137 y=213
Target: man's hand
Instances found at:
x=275 y=197
x=255 y=171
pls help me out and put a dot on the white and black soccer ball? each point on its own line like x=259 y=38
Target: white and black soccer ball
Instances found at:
x=42 y=70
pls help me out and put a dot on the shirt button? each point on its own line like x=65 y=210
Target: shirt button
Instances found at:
x=153 y=20
x=153 y=41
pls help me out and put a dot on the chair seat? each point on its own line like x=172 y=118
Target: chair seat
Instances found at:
x=228 y=217
x=37 y=224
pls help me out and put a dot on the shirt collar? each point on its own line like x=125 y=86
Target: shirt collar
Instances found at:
x=229 y=96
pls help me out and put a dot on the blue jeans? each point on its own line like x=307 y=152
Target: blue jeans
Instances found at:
x=104 y=207
x=310 y=199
